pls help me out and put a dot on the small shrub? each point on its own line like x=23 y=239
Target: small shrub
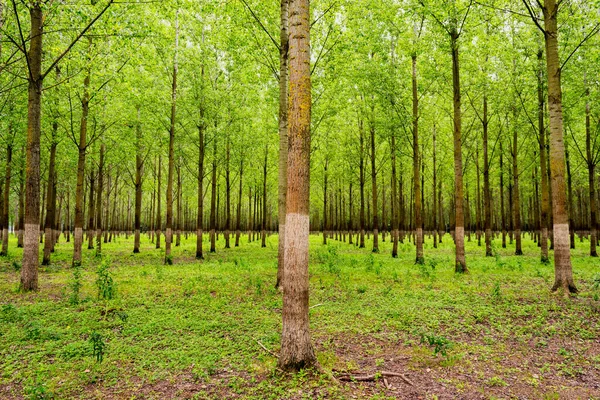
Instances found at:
x=75 y=285
x=98 y=346
x=105 y=283
x=440 y=344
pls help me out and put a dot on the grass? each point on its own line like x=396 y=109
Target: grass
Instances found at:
x=139 y=329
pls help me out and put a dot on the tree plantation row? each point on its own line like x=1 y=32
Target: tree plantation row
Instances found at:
x=389 y=118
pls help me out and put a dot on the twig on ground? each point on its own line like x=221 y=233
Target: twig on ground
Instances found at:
x=375 y=376
x=316 y=305
x=265 y=349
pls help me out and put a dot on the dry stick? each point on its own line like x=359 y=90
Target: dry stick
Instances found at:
x=265 y=349
x=372 y=377
x=316 y=305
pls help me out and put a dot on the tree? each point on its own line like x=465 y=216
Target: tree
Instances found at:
x=296 y=349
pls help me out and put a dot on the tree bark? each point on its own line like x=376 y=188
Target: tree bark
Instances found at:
x=29 y=270
x=487 y=198
x=543 y=163
x=516 y=201
x=459 y=229
x=50 y=206
x=563 y=270
x=374 y=180
x=169 y=222
x=82 y=149
x=296 y=348
x=139 y=165
x=283 y=134
x=201 y=148
x=416 y=166
x=99 y=201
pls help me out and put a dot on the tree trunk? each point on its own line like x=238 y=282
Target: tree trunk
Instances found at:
x=325 y=217
x=50 y=206
x=213 y=199
x=543 y=164
x=29 y=270
x=283 y=134
x=21 y=226
x=296 y=348
x=264 y=201
x=563 y=269
x=82 y=149
x=99 y=202
x=91 y=210
x=434 y=212
x=227 y=191
x=362 y=182
x=158 y=201
x=487 y=197
x=139 y=164
x=394 y=199
x=374 y=180
x=459 y=229
x=169 y=222
x=6 y=208
x=201 y=148
x=591 y=179
x=238 y=222
x=516 y=201
x=416 y=171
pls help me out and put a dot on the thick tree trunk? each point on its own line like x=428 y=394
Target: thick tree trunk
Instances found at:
x=459 y=229
x=79 y=191
x=296 y=348
x=283 y=136
x=563 y=269
x=29 y=270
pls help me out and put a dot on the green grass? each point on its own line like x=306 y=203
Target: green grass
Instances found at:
x=192 y=329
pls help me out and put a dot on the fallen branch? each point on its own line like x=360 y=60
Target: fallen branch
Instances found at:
x=374 y=377
x=265 y=349
x=316 y=305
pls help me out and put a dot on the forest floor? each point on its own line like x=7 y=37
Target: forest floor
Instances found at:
x=197 y=329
